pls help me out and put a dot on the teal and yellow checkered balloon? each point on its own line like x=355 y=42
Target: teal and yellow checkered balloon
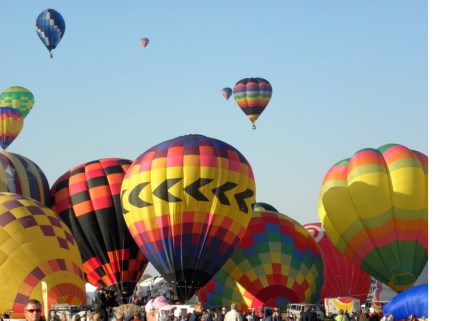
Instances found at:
x=19 y=98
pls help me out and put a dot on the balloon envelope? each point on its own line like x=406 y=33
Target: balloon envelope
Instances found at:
x=343 y=278
x=226 y=92
x=374 y=208
x=36 y=246
x=277 y=262
x=87 y=198
x=252 y=95
x=11 y=124
x=50 y=27
x=19 y=98
x=21 y=175
x=144 y=42
x=412 y=301
x=262 y=207
x=187 y=202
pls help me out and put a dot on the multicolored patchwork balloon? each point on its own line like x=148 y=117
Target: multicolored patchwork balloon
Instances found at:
x=187 y=203
x=21 y=175
x=50 y=27
x=343 y=278
x=374 y=208
x=19 y=98
x=252 y=95
x=36 y=246
x=277 y=262
x=11 y=124
x=87 y=198
x=227 y=92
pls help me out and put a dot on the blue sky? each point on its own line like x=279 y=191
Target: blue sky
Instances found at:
x=345 y=76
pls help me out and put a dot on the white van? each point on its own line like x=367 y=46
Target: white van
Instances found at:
x=296 y=308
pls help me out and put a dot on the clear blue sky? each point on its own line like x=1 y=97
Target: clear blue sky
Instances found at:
x=346 y=75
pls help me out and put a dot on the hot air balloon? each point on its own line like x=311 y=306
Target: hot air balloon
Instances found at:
x=343 y=278
x=412 y=301
x=144 y=42
x=252 y=95
x=87 y=198
x=19 y=98
x=226 y=92
x=36 y=246
x=11 y=124
x=187 y=202
x=374 y=208
x=277 y=262
x=50 y=27
x=262 y=207
x=21 y=175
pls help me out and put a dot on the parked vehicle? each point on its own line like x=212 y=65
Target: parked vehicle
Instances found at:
x=296 y=308
x=333 y=305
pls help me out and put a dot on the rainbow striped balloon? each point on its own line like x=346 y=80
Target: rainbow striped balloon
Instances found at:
x=252 y=95
x=11 y=124
x=374 y=208
x=277 y=262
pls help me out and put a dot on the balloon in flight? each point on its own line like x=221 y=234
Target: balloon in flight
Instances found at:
x=11 y=124
x=227 y=92
x=87 y=198
x=252 y=95
x=36 y=246
x=374 y=208
x=187 y=202
x=277 y=262
x=21 y=175
x=144 y=42
x=19 y=98
x=50 y=27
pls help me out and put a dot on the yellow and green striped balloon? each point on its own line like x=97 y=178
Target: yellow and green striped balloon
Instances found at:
x=19 y=98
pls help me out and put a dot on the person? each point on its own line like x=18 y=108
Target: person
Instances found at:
x=341 y=316
x=276 y=315
x=196 y=315
x=412 y=317
x=310 y=314
x=250 y=316
x=136 y=316
x=63 y=316
x=32 y=310
x=233 y=314
x=364 y=315
x=221 y=314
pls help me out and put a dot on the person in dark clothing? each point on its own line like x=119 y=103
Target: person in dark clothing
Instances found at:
x=311 y=314
x=221 y=314
x=197 y=313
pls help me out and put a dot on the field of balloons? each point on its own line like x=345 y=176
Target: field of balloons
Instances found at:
x=189 y=206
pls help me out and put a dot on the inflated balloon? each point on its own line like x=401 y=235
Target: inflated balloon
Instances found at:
x=187 y=203
x=87 y=198
x=36 y=246
x=343 y=278
x=50 y=27
x=19 y=98
x=11 y=124
x=21 y=175
x=277 y=262
x=144 y=42
x=227 y=92
x=374 y=208
x=252 y=95
x=262 y=207
x=412 y=301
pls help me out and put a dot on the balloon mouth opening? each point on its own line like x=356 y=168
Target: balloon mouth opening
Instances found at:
x=401 y=282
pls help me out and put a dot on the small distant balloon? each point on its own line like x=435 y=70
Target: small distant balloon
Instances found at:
x=226 y=92
x=50 y=27
x=11 y=124
x=19 y=98
x=144 y=42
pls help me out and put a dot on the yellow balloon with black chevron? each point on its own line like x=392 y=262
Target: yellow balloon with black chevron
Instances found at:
x=187 y=203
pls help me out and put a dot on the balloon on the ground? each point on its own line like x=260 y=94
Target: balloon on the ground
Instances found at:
x=19 y=98
x=187 y=202
x=374 y=208
x=11 y=124
x=50 y=27
x=412 y=301
x=262 y=207
x=87 y=198
x=252 y=95
x=21 y=175
x=144 y=42
x=277 y=262
x=343 y=278
x=36 y=246
x=227 y=92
